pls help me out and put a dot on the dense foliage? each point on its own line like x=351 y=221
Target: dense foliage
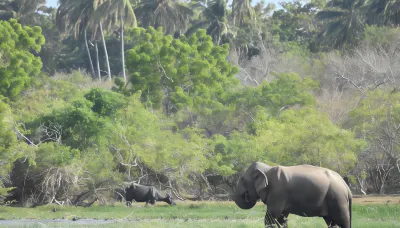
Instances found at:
x=192 y=96
x=17 y=64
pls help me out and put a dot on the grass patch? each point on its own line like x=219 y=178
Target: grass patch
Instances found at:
x=191 y=214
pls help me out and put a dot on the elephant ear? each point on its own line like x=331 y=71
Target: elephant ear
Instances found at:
x=261 y=180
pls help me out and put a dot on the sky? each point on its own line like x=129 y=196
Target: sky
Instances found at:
x=52 y=3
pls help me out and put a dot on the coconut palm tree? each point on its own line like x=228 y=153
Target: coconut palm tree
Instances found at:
x=172 y=15
x=242 y=11
x=117 y=13
x=213 y=18
x=23 y=10
x=78 y=15
x=343 y=21
x=74 y=15
x=388 y=10
x=98 y=23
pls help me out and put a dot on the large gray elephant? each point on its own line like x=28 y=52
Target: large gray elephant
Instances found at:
x=303 y=190
x=148 y=194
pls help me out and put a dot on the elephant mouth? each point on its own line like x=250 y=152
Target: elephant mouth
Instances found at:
x=245 y=200
x=246 y=197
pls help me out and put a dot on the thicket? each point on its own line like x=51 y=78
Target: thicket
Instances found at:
x=196 y=108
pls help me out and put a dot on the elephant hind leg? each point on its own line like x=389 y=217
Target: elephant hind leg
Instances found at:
x=330 y=222
x=341 y=217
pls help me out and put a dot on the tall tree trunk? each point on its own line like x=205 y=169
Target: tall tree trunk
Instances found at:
x=90 y=57
x=123 y=49
x=97 y=61
x=105 y=52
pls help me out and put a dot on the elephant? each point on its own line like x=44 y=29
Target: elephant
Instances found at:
x=303 y=190
x=142 y=193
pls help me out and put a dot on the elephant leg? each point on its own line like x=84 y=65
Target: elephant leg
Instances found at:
x=275 y=205
x=283 y=220
x=340 y=216
x=268 y=220
x=128 y=203
x=271 y=222
x=328 y=220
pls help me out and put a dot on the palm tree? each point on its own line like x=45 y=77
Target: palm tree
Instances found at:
x=242 y=11
x=344 y=21
x=74 y=15
x=171 y=15
x=117 y=12
x=23 y=10
x=77 y=15
x=213 y=18
x=97 y=22
x=388 y=10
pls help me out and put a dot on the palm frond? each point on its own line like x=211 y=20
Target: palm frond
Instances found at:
x=196 y=26
x=330 y=14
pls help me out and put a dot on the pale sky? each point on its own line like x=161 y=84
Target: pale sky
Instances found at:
x=52 y=3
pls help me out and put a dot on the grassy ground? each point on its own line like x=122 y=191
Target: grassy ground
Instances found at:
x=382 y=214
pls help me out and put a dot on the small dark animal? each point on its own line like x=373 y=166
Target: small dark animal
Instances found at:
x=141 y=193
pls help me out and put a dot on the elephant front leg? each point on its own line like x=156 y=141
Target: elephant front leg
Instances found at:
x=275 y=216
x=283 y=220
x=271 y=222
x=128 y=203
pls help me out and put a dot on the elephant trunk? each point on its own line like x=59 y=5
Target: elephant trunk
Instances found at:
x=242 y=202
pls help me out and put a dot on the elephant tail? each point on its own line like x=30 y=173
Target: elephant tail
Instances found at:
x=350 y=203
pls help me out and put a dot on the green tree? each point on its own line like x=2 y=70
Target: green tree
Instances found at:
x=7 y=140
x=285 y=91
x=75 y=125
x=305 y=136
x=295 y=21
x=18 y=65
x=376 y=119
x=177 y=73
x=105 y=103
x=141 y=137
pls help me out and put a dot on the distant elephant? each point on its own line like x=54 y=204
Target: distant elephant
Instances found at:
x=303 y=190
x=141 y=193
